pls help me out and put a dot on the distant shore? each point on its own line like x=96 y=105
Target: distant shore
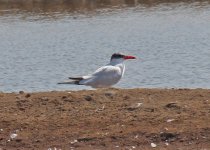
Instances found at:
x=106 y=119
x=79 y=5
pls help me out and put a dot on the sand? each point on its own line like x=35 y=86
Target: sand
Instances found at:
x=106 y=119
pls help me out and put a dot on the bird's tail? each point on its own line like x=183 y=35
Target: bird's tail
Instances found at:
x=74 y=80
x=69 y=82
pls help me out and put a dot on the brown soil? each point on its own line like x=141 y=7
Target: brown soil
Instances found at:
x=106 y=119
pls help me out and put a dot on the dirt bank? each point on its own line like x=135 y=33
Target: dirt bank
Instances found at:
x=106 y=119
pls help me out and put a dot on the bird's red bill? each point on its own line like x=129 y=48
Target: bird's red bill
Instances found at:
x=129 y=57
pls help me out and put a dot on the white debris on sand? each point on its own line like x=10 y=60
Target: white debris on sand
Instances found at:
x=170 y=120
x=100 y=109
x=53 y=148
x=134 y=106
x=75 y=141
x=153 y=145
x=133 y=147
x=13 y=135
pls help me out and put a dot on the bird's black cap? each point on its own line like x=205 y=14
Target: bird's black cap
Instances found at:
x=117 y=55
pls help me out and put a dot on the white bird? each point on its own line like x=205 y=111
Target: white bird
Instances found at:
x=105 y=76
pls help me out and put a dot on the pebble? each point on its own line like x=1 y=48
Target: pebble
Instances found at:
x=28 y=95
x=21 y=92
x=88 y=98
x=153 y=145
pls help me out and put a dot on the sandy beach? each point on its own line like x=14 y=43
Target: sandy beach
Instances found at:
x=106 y=119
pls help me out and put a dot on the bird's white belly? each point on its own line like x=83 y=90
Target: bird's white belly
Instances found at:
x=104 y=77
x=106 y=82
x=103 y=81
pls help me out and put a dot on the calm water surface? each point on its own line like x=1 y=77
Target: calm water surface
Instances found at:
x=171 y=41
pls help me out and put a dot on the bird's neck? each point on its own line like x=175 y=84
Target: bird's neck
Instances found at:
x=118 y=63
x=115 y=62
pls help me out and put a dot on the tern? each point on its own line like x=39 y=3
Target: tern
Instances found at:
x=105 y=76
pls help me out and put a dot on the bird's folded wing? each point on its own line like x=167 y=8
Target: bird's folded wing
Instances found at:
x=107 y=70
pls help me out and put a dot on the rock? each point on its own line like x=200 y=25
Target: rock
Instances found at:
x=166 y=136
x=109 y=93
x=64 y=97
x=28 y=95
x=149 y=109
x=88 y=98
x=21 y=92
x=85 y=139
x=18 y=140
x=172 y=105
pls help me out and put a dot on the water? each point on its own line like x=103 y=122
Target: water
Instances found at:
x=171 y=41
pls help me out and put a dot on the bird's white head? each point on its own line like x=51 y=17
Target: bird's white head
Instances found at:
x=119 y=58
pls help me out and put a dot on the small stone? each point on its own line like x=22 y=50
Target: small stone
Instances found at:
x=21 y=92
x=18 y=140
x=18 y=97
x=153 y=145
x=166 y=136
x=64 y=97
x=173 y=105
x=28 y=95
x=88 y=98
x=109 y=93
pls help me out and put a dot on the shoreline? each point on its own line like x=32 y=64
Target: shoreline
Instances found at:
x=100 y=89
x=43 y=7
x=106 y=119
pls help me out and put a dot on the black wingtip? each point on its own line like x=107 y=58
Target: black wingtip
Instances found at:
x=76 y=78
